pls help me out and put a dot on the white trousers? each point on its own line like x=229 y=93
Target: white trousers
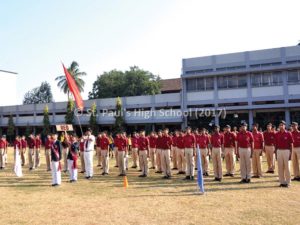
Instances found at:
x=88 y=160
x=56 y=175
x=72 y=171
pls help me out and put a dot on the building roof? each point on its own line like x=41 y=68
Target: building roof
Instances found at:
x=171 y=85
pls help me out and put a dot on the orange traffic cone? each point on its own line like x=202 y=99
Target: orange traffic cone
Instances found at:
x=125 y=183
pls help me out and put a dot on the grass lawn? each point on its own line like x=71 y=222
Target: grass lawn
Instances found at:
x=152 y=200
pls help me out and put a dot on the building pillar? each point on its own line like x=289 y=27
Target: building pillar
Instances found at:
x=287 y=117
x=250 y=115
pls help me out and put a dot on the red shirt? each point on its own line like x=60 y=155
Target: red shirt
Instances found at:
x=180 y=142
x=174 y=141
x=2 y=144
x=229 y=139
x=134 y=142
x=189 y=141
x=98 y=142
x=48 y=143
x=120 y=143
x=38 y=143
x=159 y=142
x=23 y=144
x=202 y=140
x=296 y=137
x=31 y=143
x=244 y=139
x=166 y=142
x=143 y=143
x=152 y=141
x=17 y=144
x=104 y=143
x=270 y=138
x=217 y=140
x=258 y=139
x=284 y=140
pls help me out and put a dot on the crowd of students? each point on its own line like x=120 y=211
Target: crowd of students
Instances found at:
x=167 y=152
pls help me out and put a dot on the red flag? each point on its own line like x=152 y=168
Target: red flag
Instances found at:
x=74 y=89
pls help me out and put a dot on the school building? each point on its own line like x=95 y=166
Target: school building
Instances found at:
x=252 y=86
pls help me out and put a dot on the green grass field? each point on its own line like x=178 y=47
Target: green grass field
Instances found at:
x=152 y=200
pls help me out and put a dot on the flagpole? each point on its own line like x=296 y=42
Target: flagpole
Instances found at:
x=79 y=124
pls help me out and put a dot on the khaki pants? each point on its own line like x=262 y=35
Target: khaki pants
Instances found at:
x=256 y=162
x=230 y=160
x=99 y=156
x=152 y=157
x=82 y=161
x=295 y=160
x=158 y=159
x=116 y=155
x=190 y=161
x=105 y=160
x=134 y=156
x=65 y=159
x=245 y=162
x=31 y=158
x=2 y=159
x=37 y=157
x=204 y=160
x=166 y=161
x=217 y=162
x=283 y=166
x=121 y=161
x=144 y=162
x=174 y=156
x=270 y=155
x=181 y=163
x=47 y=156
x=23 y=156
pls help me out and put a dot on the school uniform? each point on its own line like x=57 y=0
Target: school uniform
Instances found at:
x=296 y=154
x=174 y=152
x=270 y=141
x=56 y=155
x=258 y=139
x=166 y=144
x=31 y=153
x=38 y=144
x=229 y=149
x=72 y=161
x=121 y=145
x=143 y=144
x=158 y=154
x=152 y=153
x=2 y=153
x=134 y=147
x=17 y=158
x=189 y=142
x=48 y=145
x=217 y=142
x=23 y=151
x=202 y=140
x=89 y=144
x=181 y=162
x=104 y=146
x=98 y=151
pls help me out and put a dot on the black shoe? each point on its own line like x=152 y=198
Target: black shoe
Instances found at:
x=88 y=177
x=227 y=175
x=71 y=181
x=142 y=175
x=48 y=170
x=248 y=181
x=174 y=168
x=169 y=177
x=98 y=165
x=157 y=172
x=255 y=177
x=140 y=170
x=134 y=167
x=272 y=172
x=220 y=179
x=82 y=172
x=116 y=166
x=243 y=181
x=152 y=168
x=187 y=178
x=165 y=177
x=281 y=185
x=295 y=179
x=216 y=179
x=29 y=168
x=231 y=174
x=196 y=168
x=103 y=174
x=178 y=173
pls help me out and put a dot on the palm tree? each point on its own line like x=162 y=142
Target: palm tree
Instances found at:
x=76 y=74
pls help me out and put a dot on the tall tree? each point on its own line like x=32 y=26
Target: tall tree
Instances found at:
x=76 y=74
x=69 y=118
x=129 y=83
x=11 y=128
x=41 y=94
x=93 y=119
x=46 y=122
x=119 y=119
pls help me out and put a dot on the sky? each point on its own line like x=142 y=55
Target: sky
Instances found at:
x=101 y=35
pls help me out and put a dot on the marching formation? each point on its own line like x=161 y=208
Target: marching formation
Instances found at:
x=166 y=152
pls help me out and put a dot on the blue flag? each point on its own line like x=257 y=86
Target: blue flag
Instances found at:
x=200 y=180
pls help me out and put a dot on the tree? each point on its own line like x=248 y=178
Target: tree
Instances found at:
x=76 y=74
x=93 y=119
x=119 y=120
x=129 y=83
x=41 y=94
x=10 y=128
x=46 y=122
x=69 y=118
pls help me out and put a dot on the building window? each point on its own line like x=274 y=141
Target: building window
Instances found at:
x=232 y=81
x=200 y=84
x=266 y=79
x=293 y=76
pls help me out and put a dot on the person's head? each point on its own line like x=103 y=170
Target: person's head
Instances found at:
x=188 y=130
x=202 y=130
x=235 y=129
x=103 y=134
x=217 y=128
x=244 y=126
x=38 y=136
x=166 y=131
x=294 y=126
x=282 y=125
x=255 y=127
x=17 y=138
x=152 y=134
x=99 y=135
x=3 y=137
x=48 y=136
x=159 y=133
x=54 y=136
x=142 y=133
x=89 y=132
x=23 y=137
x=134 y=134
x=269 y=127
x=227 y=128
